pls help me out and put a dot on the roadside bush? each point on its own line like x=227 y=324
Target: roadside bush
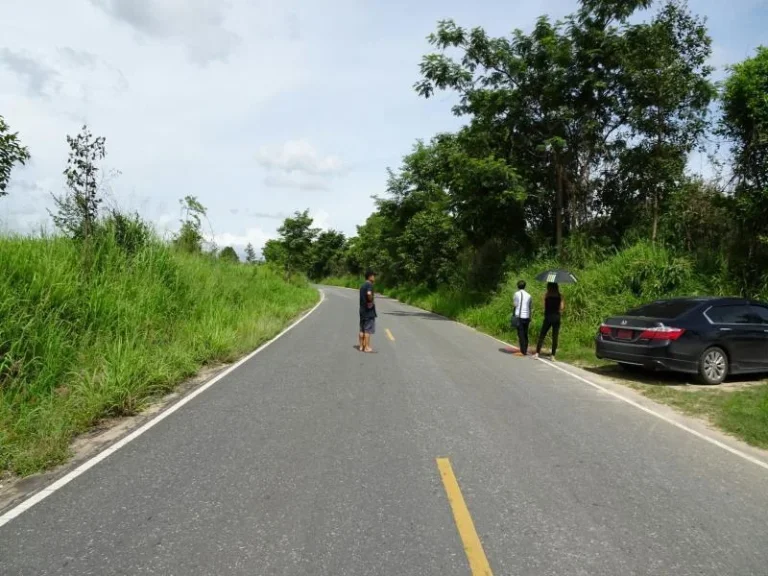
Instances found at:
x=129 y=231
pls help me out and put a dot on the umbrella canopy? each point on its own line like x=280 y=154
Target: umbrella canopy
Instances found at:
x=557 y=276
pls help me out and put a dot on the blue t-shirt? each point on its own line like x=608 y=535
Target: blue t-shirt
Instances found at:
x=367 y=309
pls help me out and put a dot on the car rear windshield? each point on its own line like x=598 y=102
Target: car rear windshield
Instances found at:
x=666 y=309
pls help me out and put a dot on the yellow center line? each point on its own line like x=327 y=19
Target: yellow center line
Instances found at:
x=389 y=334
x=478 y=563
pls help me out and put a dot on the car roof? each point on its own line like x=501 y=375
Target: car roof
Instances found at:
x=711 y=300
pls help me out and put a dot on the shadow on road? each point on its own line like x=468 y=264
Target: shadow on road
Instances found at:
x=427 y=315
x=515 y=351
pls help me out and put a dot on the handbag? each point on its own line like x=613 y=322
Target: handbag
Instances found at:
x=514 y=320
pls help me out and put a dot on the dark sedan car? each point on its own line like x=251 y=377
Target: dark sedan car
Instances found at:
x=711 y=337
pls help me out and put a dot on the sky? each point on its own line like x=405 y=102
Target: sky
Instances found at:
x=258 y=108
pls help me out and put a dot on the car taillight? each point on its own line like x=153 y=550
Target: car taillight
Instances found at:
x=662 y=333
x=605 y=329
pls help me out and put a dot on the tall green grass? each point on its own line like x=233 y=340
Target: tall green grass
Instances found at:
x=90 y=334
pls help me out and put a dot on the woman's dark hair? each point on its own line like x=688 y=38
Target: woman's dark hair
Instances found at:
x=521 y=285
x=553 y=289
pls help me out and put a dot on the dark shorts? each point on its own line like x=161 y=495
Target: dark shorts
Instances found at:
x=368 y=325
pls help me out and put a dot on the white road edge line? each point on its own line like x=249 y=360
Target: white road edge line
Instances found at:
x=66 y=479
x=631 y=402
x=713 y=441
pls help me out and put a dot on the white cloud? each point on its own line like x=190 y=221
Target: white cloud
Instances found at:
x=79 y=57
x=199 y=25
x=297 y=180
x=299 y=156
x=268 y=215
x=321 y=219
x=255 y=236
x=296 y=164
x=39 y=78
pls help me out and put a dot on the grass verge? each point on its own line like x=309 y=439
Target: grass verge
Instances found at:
x=82 y=339
x=742 y=413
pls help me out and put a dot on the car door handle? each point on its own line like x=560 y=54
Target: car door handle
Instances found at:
x=729 y=329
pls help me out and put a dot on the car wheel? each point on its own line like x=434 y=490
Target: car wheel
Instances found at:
x=713 y=366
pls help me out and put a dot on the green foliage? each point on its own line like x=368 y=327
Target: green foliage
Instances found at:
x=429 y=247
x=128 y=231
x=75 y=349
x=78 y=209
x=669 y=95
x=273 y=252
x=228 y=254
x=327 y=256
x=12 y=152
x=584 y=115
x=250 y=254
x=296 y=237
x=745 y=117
x=190 y=238
x=697 y=221
x=745 y=124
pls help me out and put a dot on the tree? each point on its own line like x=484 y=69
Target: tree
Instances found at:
x=328 y=251
x=368 y=249
x=669 y=94
x=429 y=248
x=11 y=153
x=190 y=237
x=78 y=209
x=560 y=105
x=296 y=237
x=274 y=253
x=744 y=124
x=228 y=254
x=250 y=254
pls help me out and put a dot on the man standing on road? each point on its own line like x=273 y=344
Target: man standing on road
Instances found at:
x=367 y=312
x=523 y=315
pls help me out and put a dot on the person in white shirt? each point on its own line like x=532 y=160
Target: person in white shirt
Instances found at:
x=523 y=310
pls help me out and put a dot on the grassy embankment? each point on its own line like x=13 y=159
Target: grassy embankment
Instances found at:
x=82 y=343
x=630 y=277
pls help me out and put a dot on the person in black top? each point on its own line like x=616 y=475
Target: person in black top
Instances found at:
x=554 y=304
x=367 y=312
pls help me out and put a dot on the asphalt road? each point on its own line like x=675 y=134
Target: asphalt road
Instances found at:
x=313 y=458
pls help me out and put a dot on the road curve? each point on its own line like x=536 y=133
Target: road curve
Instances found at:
x=315 y=459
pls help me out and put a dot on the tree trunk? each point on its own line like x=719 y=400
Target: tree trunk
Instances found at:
x=657 y=187
x=559 y=207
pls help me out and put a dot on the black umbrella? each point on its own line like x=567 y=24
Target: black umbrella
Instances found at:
x=557 y=276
